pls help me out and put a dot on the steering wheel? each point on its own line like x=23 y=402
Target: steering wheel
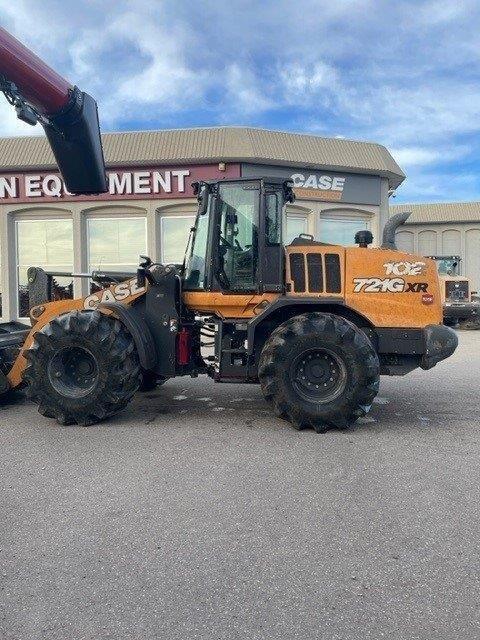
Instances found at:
x=229 y=245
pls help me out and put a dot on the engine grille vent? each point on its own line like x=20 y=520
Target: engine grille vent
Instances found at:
x=315 y=272
x=332 y=273
x=297 y=271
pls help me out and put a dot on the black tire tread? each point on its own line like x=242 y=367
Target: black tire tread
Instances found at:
x=337 y=330
x=119 y=383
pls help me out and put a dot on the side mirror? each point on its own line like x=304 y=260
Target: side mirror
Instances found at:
x=203 y=200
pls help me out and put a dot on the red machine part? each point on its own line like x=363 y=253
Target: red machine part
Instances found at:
x=183 y=346
x=43 y=87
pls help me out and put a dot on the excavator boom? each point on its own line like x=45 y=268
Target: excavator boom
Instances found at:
x=68 y=115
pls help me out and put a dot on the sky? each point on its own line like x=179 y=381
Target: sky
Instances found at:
x=405 y=74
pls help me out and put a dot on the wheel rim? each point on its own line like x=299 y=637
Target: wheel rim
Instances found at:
x=318 y=375
x=73 y=372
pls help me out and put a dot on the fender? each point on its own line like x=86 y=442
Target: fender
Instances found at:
x=284 y=303
x=309 y=304
x=138 y=329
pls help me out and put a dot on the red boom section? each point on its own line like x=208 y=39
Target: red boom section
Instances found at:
x=43 y=87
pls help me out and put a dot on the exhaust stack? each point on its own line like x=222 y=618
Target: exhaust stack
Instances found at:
x=388 y=239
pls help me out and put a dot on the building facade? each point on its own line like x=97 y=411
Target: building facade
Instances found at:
x=444 y=229
x=341 y=186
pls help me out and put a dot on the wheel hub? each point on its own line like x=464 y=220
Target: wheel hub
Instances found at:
x=318 y=375
x=73 y=372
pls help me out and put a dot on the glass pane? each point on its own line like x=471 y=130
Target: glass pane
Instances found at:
x=238 y=237
x=295 y=226
x=115 y=244
x=175 y=233
x=195 y=263
x=448 y=266
x=47 y=244
x=341 y=232
x=273 y=211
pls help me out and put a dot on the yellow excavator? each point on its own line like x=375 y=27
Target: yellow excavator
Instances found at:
x=315 y=324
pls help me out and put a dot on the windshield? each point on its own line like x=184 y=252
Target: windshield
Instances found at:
x=448 y=266
x=196 y=257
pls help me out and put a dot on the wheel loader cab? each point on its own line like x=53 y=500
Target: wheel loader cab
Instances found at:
x=236 y=245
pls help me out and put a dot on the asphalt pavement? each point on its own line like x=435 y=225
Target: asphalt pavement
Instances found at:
x=197 y=514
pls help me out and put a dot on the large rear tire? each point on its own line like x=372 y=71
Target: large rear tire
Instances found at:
x=319 y=370
x=82 y=368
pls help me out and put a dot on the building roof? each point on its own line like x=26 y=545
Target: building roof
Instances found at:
x=216 y=144
x=440 y=212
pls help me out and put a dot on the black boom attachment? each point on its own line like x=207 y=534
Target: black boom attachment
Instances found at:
x=74 y=136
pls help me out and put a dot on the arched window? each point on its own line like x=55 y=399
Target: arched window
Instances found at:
x=427 y=243
x=298 y=220
x=44 y=238
x=175 y=223
x=472 y=257
x=405 y=241
x=339 y=226
x=116 y=237
x=451 y=242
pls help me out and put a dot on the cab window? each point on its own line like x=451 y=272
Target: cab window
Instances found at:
x=238 y=236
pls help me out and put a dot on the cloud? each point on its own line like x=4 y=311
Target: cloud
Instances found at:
x=408 y=77
x=427 y=185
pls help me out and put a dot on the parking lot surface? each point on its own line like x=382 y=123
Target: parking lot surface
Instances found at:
x=198 y=514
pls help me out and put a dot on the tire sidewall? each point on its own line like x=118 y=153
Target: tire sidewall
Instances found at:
x=103 y=360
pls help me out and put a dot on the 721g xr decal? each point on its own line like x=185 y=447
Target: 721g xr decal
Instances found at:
x=388 y=285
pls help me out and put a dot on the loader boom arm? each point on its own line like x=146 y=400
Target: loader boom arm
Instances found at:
x=68 y=115
x=39 y=84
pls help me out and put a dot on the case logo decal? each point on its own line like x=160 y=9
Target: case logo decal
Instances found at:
x=119 y=292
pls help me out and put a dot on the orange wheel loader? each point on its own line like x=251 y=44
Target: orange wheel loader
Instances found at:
x=314 y=324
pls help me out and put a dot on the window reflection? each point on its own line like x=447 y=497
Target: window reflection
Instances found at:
x=115 y=244
x=47 y=244
x=341 y=232
x=175 y=231
x=295 y=226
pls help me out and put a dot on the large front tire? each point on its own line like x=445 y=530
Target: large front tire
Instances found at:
x=82 y=368
x=319 y=370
